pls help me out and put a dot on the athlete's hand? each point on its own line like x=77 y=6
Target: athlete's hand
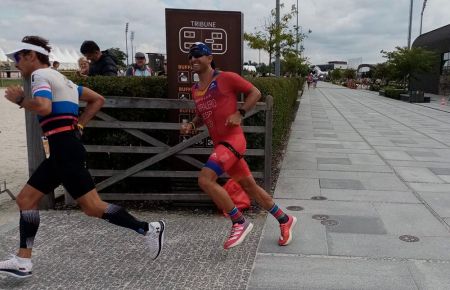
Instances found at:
x=234 y=120
x=14 y=94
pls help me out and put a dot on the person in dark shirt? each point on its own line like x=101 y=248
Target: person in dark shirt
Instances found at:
x=102 y=63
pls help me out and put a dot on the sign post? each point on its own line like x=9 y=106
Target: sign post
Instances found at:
x=222 y=31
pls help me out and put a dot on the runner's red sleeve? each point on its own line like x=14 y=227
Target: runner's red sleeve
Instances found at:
x=238 y=83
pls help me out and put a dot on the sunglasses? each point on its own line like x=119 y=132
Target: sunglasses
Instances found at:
x=139 y=57
x=195 y=54
x=17 y=56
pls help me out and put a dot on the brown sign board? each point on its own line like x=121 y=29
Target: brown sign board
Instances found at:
x=222 y=31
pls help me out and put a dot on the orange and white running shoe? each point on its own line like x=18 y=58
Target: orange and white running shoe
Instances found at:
x=286 y=231
x=238 y=234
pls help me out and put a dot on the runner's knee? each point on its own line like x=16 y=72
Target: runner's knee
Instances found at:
x=204 y=183
x=26 y=201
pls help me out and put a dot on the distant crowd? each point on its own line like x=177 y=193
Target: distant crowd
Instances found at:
x=95 y=62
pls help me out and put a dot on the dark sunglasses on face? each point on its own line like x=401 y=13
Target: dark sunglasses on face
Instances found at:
x=195 y=54
x=17 y=57
x=139 y=57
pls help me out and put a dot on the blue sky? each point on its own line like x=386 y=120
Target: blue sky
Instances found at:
x=341 y=30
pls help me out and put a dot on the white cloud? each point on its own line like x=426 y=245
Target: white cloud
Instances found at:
x=340 y=29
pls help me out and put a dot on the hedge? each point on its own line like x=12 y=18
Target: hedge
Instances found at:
x=283 y=90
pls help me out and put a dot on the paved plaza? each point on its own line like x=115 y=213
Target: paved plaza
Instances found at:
x=359 y=172
x=383 y=167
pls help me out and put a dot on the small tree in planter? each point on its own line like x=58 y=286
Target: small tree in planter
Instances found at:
x=405 y=63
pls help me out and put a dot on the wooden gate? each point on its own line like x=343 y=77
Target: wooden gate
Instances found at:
x=160 y=150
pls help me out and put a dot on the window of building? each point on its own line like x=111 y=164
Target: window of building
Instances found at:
x=446 y=63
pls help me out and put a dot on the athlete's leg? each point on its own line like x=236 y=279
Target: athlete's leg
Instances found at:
x=207 y=181
x=221 y=159
x=93 y=206
x=28 y=201
x=241 y=173
x=78 y=182
x=42 y=181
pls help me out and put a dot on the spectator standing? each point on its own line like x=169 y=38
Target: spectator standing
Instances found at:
x=55 y=65
x=309 y=79
x=102 y=63
x=83 y=67
x=139 y=68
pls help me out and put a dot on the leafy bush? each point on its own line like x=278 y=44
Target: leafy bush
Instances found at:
x=393 y=92
x=283 y=90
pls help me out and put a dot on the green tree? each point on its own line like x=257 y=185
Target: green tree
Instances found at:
x=263 y=69
x=292 y=64
x=119 y=56
x=274 y=35
x=405 y=63
x=383 y=72
x=336 y=75
x=349 y=73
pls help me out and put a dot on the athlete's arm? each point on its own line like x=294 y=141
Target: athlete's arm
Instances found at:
x=40 y=105
x=251 y=99
x=94 y=102
x=253 y=95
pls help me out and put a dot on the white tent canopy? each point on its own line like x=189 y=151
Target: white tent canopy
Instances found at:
x=3 y=55
x=67 y=57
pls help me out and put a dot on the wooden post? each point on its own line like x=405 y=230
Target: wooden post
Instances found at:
x=34 y=145
x=268 y=144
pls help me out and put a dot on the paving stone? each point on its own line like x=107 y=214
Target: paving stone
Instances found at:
x=292 y=272
x=445 y=178
x=417 y=174
x=370 y=195
x=422 y=154
x=395 y=155
x=411 y=219
x=341 y=183
x=371 y=159
x=355 y=168
x=388 y=246
x=429 y=187
x=344 y=161
x=301 y=188
x=405 y=141
x=325 y=135
x=336 y=146
x=439 y=201
x=357 y=225
x=440 y=171
x=430 y=275
x=76 y=252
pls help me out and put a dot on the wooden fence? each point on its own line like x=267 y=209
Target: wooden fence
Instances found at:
x=158 y=150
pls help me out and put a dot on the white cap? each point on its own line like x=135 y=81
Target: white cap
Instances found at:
x=26 y=46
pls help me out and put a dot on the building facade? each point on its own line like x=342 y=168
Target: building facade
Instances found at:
x=438 y=80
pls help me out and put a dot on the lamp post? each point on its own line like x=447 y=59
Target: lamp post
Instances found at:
x=126 y=41
x=277 y=45
x=296 y=45
x=410 y=23
x=131 y=41
x=421 y=15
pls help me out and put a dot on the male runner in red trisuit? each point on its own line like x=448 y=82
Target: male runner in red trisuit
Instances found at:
x=215 y=97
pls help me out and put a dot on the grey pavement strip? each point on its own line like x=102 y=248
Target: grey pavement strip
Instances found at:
x=73 y=251
x=396 y=187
